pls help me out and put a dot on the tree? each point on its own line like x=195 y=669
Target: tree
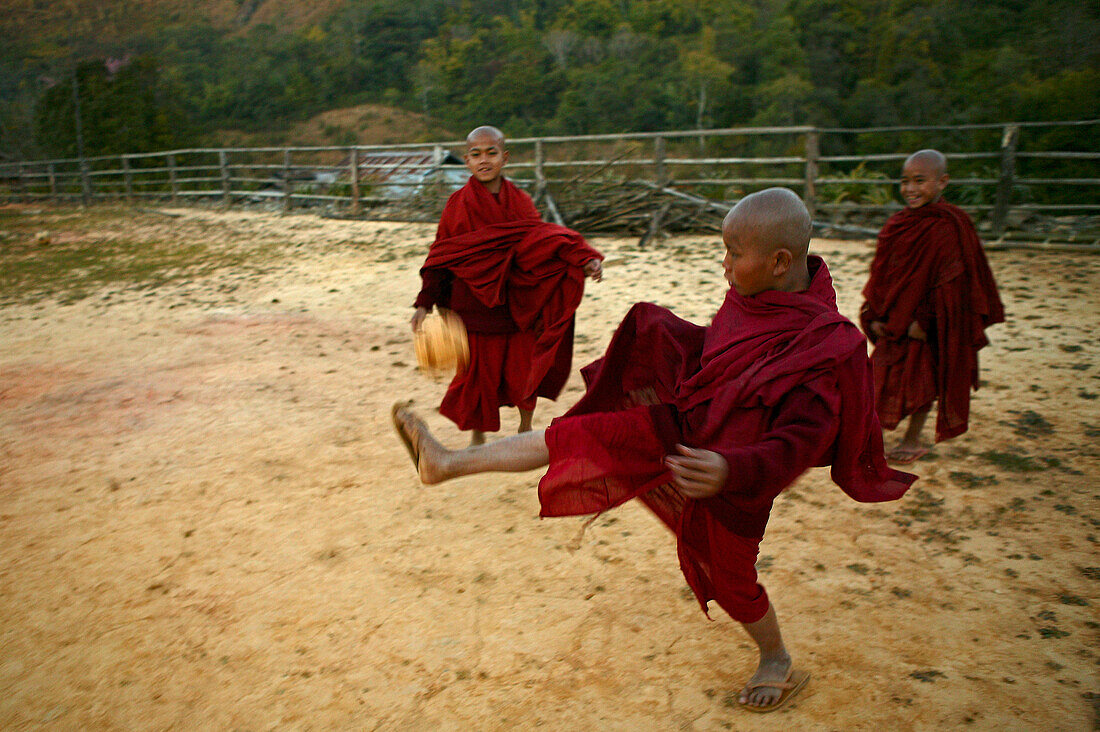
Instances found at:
x=131 y=110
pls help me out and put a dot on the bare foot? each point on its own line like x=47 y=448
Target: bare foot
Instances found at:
x=776 y=669
x=428 y=455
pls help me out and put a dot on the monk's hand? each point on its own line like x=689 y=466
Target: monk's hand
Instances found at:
x=594 y=269
x=698 y=473
x=916 y=332
x=878 y=329
x=418 y=318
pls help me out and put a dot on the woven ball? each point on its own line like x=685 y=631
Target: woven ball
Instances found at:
x=441 y=345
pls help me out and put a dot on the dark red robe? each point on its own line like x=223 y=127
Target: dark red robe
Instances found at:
x=516 y=282
x=929 y=267
x=779 y=382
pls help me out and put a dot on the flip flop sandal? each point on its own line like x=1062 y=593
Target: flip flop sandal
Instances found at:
x=906 y=457
x=414 y=453
x=791 y=686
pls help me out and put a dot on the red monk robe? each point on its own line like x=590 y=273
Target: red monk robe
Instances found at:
x=929 y=267
x=778 y=383
x=516 y=282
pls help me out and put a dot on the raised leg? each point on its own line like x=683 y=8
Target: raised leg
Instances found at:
x=435 y=463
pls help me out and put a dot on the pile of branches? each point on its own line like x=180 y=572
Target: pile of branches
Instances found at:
x=633 y=207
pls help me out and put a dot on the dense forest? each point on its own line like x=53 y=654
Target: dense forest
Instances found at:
x=554 y=66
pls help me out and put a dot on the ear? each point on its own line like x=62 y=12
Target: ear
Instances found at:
x=504 y=155
x=781 y=261
x=944 y=180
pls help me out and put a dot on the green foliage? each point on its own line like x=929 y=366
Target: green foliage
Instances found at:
x=134 y=110
x=582 y=66
x=866 y=193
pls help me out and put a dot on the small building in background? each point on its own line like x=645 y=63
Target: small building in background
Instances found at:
x=398 y=174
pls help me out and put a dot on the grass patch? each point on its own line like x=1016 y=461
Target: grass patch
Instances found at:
x=1029 y=424
x=969 y=481
x=87 y=261
x=920 y=505
x=928 y=676
x=1011 y=461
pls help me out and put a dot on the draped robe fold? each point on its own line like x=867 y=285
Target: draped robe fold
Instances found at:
x=779 y=382
x=929 y=267
x=516 y=282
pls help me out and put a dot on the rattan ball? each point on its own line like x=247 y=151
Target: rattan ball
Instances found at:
x=442 y=347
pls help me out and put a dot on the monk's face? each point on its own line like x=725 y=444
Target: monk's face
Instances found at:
x=749 y=267
x=485 y=158
x=921 y=183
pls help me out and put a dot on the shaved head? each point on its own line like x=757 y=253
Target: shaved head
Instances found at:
x=773 y=219
x=932 y=160
x=485 y=132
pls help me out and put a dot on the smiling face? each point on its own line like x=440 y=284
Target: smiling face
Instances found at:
x=922 y=181
x=485 y=158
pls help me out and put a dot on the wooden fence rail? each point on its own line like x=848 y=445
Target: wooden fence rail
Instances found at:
x=1002 y=171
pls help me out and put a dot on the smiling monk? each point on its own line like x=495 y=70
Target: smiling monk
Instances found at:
x=515 y=281
x=929 y=299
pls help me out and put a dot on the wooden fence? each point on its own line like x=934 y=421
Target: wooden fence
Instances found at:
x=1001 y=173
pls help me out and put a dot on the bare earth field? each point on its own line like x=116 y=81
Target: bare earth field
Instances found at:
x=206 y=521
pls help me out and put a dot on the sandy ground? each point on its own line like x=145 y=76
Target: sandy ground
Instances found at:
x=207 y=522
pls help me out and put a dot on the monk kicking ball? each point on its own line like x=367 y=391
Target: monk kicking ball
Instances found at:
x=929 y=299
x=707 y=425
x=515 y=281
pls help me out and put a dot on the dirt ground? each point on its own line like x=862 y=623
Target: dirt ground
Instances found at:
x=206 y=521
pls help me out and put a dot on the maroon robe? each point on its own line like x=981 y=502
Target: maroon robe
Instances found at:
x=516 y=282
x=929 y=267
x=778 y=383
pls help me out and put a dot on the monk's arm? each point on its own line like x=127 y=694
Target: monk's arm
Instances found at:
x=802 y=431
x=434 y=288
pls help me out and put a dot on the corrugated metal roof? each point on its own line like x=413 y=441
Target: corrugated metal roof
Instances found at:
x=383 y=165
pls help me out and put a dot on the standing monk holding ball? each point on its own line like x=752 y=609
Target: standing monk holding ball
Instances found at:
x=515 y=281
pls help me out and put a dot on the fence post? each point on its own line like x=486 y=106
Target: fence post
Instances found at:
x=51 y=174
x=85 y=183
x=659 y=161
x=540 y=172
x=128 y=177
x=1008 y=173
x=172 y=178
x=288 y=187
x=223 y=164
x=809 y=187
x=353 y=161
x=541 y=192
x=661 y=173
x=20 y=185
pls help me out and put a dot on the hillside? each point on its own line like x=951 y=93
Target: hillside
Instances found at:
x=121 y=21
x=153 y=74
x=365 y=124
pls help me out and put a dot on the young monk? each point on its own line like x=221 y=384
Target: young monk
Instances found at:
x=929 y=299
x=707 y=425
x=516 y=283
